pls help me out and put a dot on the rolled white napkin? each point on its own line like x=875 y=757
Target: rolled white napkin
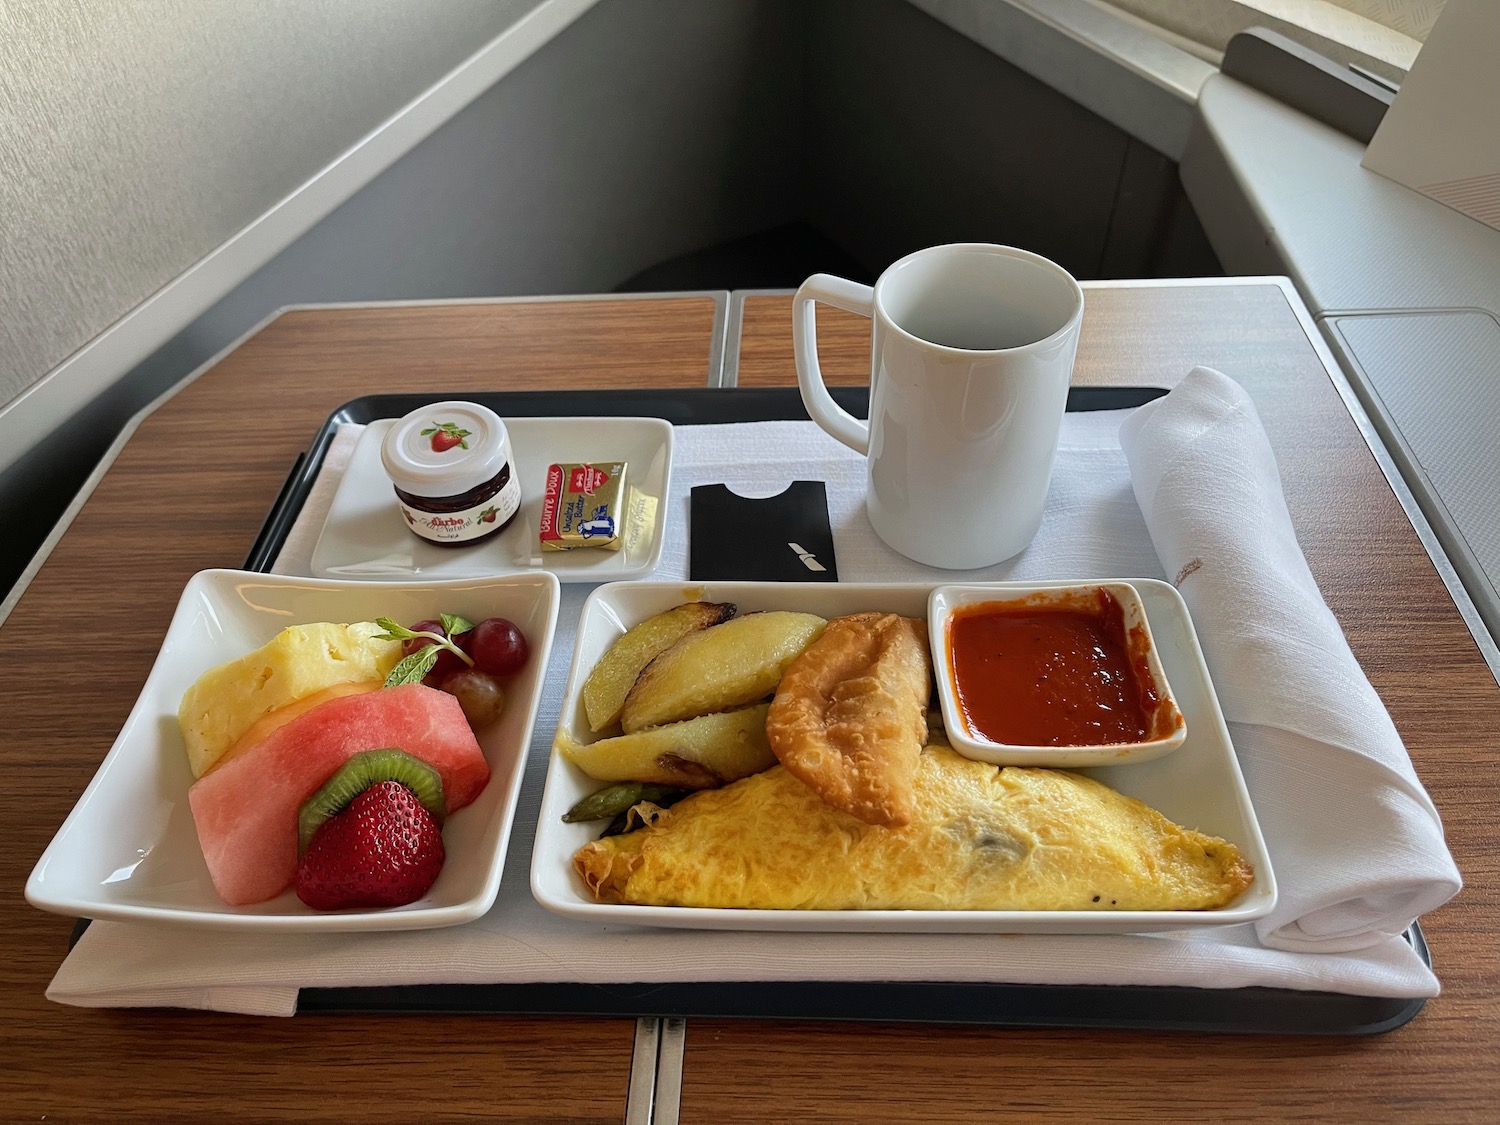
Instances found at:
x=1356 y=843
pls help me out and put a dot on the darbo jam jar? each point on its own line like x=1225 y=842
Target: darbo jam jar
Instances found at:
x=451 y=465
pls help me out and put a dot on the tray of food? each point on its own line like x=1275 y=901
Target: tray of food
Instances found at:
x=556 y=876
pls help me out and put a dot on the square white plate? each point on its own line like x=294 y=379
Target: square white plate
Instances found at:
x=129 y=849
x=1199 y=786
x=364 y=537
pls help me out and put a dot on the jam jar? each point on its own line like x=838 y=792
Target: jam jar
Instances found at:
x=453 y=471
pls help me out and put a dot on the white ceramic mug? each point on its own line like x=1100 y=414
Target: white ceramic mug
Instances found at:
x=971 y=359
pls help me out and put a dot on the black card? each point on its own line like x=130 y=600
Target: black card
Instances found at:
x=783 y=538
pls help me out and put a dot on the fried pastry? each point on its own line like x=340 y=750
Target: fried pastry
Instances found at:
x=850 y=716
x=982 y=837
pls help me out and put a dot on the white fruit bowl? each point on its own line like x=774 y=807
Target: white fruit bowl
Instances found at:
x=129 y=849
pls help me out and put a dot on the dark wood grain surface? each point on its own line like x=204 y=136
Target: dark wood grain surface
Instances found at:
x=190 y=490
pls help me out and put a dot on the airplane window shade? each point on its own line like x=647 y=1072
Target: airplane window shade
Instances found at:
x=1382 y=36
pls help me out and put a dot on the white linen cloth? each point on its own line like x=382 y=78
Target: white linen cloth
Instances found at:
x=1310 y=731
x=1340 y=911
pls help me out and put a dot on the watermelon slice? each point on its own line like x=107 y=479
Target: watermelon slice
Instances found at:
x=246 y=809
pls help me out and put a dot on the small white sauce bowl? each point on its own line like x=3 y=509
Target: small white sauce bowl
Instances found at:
x=1168 y=725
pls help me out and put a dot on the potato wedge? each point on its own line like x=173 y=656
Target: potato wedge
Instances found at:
x=701 y=753
x=612 y=678
x=717 y=669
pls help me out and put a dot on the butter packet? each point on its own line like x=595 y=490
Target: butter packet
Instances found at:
x=582 y=506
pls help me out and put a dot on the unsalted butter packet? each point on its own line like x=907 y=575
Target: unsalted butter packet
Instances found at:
x=582 y=506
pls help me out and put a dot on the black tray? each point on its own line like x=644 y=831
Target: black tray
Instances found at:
x=1276 y=1011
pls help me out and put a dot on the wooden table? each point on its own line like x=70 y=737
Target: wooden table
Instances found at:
x=81 y=640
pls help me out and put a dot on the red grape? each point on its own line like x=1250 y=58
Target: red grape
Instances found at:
x=480 y=696
x=447 y=662
x=496 y=646
x=412 y=644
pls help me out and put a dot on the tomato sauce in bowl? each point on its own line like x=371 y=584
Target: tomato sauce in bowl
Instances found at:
x=1051 y=675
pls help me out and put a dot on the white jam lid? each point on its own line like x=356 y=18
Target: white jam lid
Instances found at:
x=451 y=467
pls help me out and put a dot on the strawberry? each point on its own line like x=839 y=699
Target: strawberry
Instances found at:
x=446 y=435
x=385 y=849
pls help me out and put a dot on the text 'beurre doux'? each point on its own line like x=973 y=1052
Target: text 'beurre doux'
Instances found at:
x=1048 y=675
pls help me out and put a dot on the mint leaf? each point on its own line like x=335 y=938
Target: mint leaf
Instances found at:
x=411 y=669
x=453 y=624
x=393 y=631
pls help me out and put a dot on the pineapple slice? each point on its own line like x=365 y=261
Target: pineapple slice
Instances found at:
x=298 y=662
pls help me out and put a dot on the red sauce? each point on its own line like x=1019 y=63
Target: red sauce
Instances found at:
x=1050 y=676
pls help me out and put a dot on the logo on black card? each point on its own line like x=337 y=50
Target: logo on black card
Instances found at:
x=809 y=560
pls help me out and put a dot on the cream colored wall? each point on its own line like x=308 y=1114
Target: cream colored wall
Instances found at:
x=137 y=137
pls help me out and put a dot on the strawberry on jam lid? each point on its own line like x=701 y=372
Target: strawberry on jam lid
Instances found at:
x=450 y=463
x=445 y=449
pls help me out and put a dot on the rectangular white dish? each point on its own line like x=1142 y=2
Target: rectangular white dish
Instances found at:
x=365 y=539
x=129 y=849
x=1199 y=786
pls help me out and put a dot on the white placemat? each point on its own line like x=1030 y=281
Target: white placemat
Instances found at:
x=1340 y=918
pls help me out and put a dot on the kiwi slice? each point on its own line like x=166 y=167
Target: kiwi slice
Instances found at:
x=367 y=768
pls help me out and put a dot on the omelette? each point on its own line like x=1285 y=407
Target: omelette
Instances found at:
x=982 y=837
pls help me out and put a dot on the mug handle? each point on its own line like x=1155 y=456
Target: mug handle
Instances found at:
x=851 y=297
